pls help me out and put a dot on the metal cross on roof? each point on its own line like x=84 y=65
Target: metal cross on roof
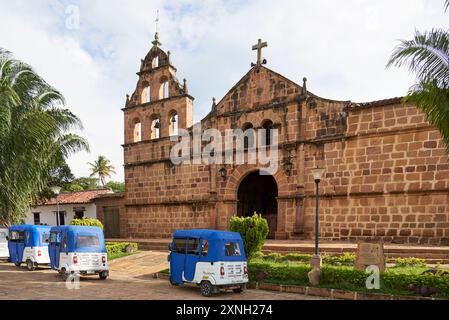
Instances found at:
x=259 y=46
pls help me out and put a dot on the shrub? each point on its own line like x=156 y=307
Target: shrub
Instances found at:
x=87 y=222
x=254 y=231
x=347 y=259
x=410 y=262
x=114 y=248
x=258 y=254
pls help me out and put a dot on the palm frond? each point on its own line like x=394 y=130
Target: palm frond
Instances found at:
x=427 y=55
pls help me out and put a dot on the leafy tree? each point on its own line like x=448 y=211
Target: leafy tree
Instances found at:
x=60 y=175
x=82 y=184
x=35 y=132
x=254 y=231
x=102 y=168
x=116 y=186
x=427 y=55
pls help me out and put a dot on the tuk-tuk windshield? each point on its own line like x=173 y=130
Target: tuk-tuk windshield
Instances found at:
x=90 y=241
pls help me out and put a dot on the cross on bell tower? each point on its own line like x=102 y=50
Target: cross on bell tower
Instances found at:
x=259 y=46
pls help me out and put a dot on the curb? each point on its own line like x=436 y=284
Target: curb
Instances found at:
x=332 y=293
x=320 y=292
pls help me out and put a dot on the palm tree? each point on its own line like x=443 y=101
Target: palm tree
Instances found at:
x=103 y=168
x=34 y=134
x=427 y=55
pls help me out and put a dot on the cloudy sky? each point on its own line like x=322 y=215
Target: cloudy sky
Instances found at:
x=90 y=50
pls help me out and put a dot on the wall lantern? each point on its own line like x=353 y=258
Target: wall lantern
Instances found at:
x=223 y=173
x=288 y=165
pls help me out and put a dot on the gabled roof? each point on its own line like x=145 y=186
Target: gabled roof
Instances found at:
x=248 y=74
x=81 y=197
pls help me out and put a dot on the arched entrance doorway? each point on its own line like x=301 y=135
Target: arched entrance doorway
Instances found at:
x=258 y=193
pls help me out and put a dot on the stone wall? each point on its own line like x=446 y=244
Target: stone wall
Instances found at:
x=388 y=178
x=387 y=169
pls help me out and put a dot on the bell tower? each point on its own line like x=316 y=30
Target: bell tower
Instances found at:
x=160 y=104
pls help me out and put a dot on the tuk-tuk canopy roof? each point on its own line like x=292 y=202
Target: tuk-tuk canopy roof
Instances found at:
x=30 y=227
x=77 y=229
x=73 y=231
x=34 y=232
x=207 y=234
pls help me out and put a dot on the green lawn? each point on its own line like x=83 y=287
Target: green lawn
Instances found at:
x=340 y=275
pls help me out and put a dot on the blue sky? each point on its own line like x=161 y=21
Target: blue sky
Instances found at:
x=341 y=46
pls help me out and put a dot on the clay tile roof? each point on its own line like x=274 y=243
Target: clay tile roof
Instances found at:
x=377 y=103
x=77 y=197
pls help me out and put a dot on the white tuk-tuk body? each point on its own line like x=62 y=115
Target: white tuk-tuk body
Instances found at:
x=4 y=251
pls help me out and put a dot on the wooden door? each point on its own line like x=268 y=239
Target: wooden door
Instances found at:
x=112 y=223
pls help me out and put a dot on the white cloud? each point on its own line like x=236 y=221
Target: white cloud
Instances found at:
x=341 y=46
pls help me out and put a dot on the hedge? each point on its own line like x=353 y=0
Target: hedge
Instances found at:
x=347 y=259
x=87 y=222
x=114 y=248
x=343 y=277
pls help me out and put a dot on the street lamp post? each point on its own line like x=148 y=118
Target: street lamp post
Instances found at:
x=317 y=174
x=57 y=191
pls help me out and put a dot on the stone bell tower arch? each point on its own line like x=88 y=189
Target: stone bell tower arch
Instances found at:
x=160 y=102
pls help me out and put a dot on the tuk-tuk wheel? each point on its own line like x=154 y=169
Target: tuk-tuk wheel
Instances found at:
x=172 y=282
x=64 y=275
x=30 y=265
x=206 y=288
x=17 y=264
x=103 y=275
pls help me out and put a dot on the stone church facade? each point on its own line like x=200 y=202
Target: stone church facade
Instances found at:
x=386 y=169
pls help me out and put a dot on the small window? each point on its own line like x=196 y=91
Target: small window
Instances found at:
x=232 y=249
x=163 y=91
x=79 y=214
x=155 y=62
x=268 y=138
x=87 y=241
x=45 y=237
x=192 y=246
x=37 y=218
x=179 y=245
x=146 y=94
x=17 y=236
x=205 y=248
x=249 y=136
x=64 y=243
x=185 y=245
x=54 y=237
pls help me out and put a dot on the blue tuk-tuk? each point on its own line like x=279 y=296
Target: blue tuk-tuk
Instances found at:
x=212 y=259
x=78 y=249
x=29 y=244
